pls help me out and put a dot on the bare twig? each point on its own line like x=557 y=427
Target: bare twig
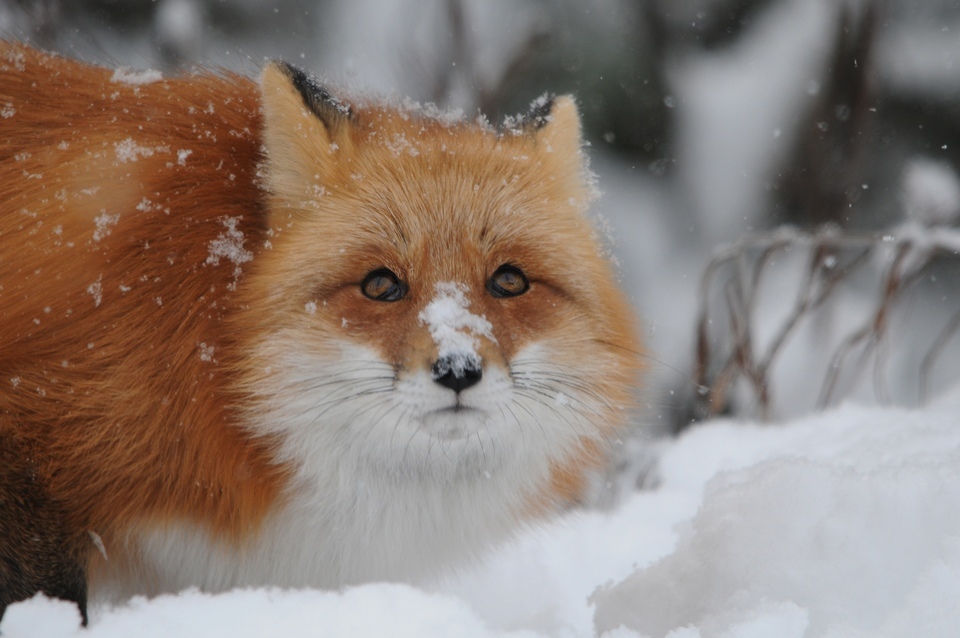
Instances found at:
x=719 y=366
x=930 y=359
x=874 y=328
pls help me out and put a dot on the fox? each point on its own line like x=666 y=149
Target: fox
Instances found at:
x=258 y=332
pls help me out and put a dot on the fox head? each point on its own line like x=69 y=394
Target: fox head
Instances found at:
x=432 y=302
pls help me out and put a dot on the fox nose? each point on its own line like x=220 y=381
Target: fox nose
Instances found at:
x=457 y=373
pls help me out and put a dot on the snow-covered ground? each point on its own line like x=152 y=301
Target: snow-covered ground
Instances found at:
x=842 y=524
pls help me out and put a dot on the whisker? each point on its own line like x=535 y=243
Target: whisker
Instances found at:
x=318 y=383
x=406 y=448
x=560 y=385
x=514 y=417
x=550 y=393
x=385 y=408
x=700 y=389
x=342 y=392
x=533 y=418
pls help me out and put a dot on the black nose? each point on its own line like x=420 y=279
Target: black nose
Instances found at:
x=457 y=372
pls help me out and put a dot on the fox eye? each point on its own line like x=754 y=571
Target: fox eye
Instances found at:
x=383 y=285
x=508 y=281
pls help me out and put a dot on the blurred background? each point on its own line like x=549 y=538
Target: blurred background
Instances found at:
x=779 y=177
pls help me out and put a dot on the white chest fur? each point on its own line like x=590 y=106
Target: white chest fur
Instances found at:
x=391 y=485
x=368 y=531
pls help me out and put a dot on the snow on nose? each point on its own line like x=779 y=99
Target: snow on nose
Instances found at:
x=455 y=330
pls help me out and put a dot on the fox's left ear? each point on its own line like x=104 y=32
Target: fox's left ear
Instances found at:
x=555 y=124
x=304 y=124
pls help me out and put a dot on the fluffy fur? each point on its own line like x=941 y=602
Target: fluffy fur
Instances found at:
x=192 y=368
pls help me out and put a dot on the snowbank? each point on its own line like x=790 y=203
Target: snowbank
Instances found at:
x=371 y=610
x=845 y=524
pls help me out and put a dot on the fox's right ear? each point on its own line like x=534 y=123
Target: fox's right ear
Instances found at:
x=304 y=124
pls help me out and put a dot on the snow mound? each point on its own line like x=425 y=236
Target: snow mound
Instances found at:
x=847 y=524
x=370 y=610
x=840 y=525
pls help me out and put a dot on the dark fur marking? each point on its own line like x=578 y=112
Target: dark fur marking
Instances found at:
x=533 y=120
x=321 y=102
x=539 y=113
x=37 y=551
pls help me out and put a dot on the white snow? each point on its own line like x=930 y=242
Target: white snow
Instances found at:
x=399 y=145
x=95 y=290
x=843 y=524
x=453 y=327
x=850 y=518
x=371 y=610
x=206 y=352
x=136 y=77
x=105 y=223
x=129 y=151
x=514 y=124
x=446 y=116
x=229 y=245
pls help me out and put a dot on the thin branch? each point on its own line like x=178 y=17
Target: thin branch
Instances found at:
x=719 y=365
x=875 y=326
x=930 y=359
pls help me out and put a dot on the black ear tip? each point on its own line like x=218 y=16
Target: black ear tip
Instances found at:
x=534 y=119
x=539 y=113
x=290 y=69
x=300 y=78
x=316 y=96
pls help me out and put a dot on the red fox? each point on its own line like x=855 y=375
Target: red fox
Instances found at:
x=258 y=334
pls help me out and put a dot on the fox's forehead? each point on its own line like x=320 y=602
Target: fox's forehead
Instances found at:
x=447 y=156
x=415 y=178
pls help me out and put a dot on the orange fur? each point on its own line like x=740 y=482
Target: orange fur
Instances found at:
x=101 y=362
x=150 y=253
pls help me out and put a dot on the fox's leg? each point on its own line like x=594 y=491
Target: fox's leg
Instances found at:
x=37 y=552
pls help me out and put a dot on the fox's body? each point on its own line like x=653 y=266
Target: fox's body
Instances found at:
x=252 y=336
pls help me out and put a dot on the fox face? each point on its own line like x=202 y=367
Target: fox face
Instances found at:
x=439 y=286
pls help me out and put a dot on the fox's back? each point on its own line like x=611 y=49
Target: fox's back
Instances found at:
x=110 y=181
x=115 y=191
